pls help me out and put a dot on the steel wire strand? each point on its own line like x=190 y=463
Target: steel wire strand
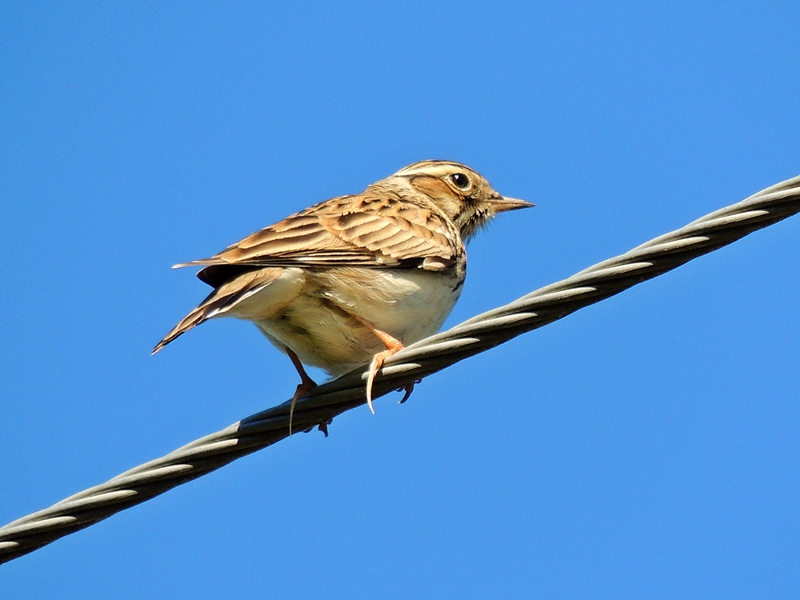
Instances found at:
x=427 y=356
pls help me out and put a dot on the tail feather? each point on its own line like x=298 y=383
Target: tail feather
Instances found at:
x=207 y=309
x=220 y=301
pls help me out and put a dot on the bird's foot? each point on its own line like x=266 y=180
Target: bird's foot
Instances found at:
x=306 y=384
x=393 y=346
x=409 y=387
x=323 y=426
x=302 y=389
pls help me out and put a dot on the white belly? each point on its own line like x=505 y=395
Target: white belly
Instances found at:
x=318 y=324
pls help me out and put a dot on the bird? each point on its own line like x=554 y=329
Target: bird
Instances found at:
x=352 y=280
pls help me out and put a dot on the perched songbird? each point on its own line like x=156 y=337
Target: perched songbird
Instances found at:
x=351 y=280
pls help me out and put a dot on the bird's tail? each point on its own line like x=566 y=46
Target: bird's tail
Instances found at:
x=209 y=308
x=221 y=301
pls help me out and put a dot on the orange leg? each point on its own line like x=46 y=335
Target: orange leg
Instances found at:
x=393 y=346
x=306 y=385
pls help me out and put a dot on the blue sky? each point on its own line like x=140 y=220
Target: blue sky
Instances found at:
x=643 y=447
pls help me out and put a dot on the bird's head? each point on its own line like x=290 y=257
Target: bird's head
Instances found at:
x=463 y=195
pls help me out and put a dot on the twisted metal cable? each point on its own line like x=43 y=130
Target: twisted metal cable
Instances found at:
x=427 y=356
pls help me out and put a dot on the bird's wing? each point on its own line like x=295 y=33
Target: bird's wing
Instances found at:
x=368 y=230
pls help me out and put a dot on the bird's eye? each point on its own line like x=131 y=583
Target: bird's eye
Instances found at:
x=460 y=180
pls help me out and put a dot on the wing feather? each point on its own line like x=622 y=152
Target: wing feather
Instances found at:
x=377 y=229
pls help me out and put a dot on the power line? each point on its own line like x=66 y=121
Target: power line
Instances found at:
x=427 y=356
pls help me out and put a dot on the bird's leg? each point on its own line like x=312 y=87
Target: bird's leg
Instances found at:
x=393 y=346
x=306 y=385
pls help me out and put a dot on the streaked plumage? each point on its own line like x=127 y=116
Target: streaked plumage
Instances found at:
x=326 y=282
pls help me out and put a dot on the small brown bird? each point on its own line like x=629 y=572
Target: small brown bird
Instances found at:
x=351 y=280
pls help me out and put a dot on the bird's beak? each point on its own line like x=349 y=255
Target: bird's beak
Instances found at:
x=502 y=204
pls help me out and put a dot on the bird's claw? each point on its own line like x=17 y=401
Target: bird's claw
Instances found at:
x=322 y=426
x=409 y=387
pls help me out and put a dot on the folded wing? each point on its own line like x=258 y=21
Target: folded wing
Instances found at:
x=370 y=230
